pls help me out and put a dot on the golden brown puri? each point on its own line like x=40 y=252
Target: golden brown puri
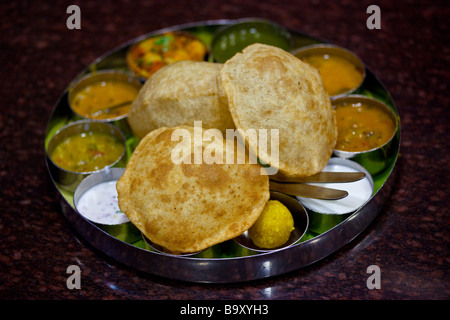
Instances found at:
x=268 y=88
x=179 y=94
x=189 y=207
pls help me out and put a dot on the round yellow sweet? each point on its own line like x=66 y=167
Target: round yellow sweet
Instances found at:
x=273 y=227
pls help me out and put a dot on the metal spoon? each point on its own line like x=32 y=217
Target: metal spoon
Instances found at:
x=324 y=176
x=308 y=191
x=297 y=186
x=110 y=109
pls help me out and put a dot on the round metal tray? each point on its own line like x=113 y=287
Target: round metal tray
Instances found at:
x=225 y=262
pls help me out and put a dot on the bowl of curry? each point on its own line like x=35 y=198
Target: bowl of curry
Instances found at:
x=341 y=70
x=366 y=130
x=231 y=39
x=147 y=56
x=82 y=148
x=104 y=95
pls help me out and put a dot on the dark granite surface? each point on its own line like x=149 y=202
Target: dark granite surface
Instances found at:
x=409 y=240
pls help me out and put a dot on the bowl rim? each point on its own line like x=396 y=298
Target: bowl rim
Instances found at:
x=160 y=249
x=244 y=21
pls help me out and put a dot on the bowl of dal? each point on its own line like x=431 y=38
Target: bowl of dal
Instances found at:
x=367 y=129
x=104 y=95
x=341 y=70
x=82 y=148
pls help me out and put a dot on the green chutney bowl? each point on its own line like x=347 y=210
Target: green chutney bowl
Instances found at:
x=233 y=38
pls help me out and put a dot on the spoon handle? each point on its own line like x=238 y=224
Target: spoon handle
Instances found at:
x=308 y=191
x=109 y=109
x=324 y=176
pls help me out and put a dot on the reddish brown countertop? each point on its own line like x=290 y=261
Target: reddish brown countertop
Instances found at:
x=408 y=240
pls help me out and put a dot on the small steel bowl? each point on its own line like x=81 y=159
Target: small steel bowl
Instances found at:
x=120 y=227
x=326 y=214
x=97 y=77
x=152 y=46
x=93 y=180
x=333 y=50
x=377 y=159
x=301 y=223
x=157 y=248
x=69 y=180
x=230 y=39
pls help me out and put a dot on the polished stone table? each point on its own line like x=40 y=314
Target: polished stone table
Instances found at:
x=408 y=241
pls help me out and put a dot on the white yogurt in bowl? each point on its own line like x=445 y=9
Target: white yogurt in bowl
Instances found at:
x=96 y=198
x=359 y=192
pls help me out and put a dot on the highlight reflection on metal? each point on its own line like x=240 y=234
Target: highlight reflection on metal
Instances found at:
x=266 y=268
x=268 y=292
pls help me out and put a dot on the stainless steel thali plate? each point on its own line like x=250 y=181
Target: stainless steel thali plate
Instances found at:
x=226 y=262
